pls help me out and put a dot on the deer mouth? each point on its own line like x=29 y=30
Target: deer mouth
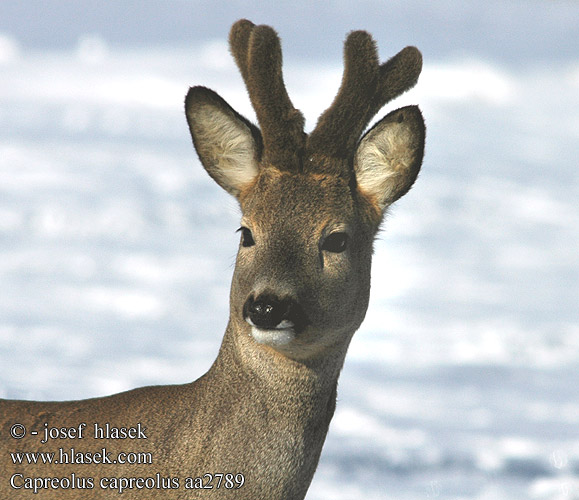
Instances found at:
x=274 y=321
x=283 y=334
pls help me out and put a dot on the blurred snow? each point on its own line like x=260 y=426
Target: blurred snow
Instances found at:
x=116 y=252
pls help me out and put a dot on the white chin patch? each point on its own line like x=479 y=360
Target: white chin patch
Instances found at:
x=279 y=337
x=282 y=335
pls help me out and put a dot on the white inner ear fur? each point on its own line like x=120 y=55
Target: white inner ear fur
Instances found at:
x=384 y=161
x=228 y=145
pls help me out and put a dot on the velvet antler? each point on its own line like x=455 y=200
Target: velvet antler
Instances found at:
x=366 y=87
x=257 y=52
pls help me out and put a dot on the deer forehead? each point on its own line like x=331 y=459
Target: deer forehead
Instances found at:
x=298 y=200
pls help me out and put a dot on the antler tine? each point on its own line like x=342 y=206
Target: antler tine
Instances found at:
x=239 y=44
x=340 y=126
x=257 y=51
x=397 y=75
x=365 y=88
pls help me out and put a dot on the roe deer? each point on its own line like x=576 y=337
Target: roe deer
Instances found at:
x=254 y=425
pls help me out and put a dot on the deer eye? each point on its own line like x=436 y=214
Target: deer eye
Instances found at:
x=335 y=243
x=246 y=237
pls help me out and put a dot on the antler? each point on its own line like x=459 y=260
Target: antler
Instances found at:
x=257 y=52
x=366 y=87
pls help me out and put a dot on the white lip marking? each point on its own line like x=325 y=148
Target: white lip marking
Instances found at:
x=282 y=334
x=273 y=337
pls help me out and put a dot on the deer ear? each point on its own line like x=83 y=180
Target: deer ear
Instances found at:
x=228 y=145
x=389 y=156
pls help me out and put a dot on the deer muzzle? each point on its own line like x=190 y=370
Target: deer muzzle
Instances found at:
x=274 y=320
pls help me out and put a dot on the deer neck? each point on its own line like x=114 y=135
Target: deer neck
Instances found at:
x=288 y=404
x=279 y=378
x=277 y=393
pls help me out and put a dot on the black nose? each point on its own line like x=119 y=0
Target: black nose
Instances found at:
x=268 y=311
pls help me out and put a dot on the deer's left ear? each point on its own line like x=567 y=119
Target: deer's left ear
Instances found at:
x=228 y=145
x=389 y=156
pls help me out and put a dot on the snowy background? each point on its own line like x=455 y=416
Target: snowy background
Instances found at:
x=116 y=249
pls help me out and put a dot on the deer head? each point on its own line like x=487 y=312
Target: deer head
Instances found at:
x=311 y=204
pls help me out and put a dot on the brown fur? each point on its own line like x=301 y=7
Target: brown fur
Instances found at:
x=264 y=407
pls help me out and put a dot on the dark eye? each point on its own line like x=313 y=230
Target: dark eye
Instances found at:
x=246 y=237
x=335 y=243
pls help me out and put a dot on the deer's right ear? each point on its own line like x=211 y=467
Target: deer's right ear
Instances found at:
x=228 y=145
x=389 y=156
